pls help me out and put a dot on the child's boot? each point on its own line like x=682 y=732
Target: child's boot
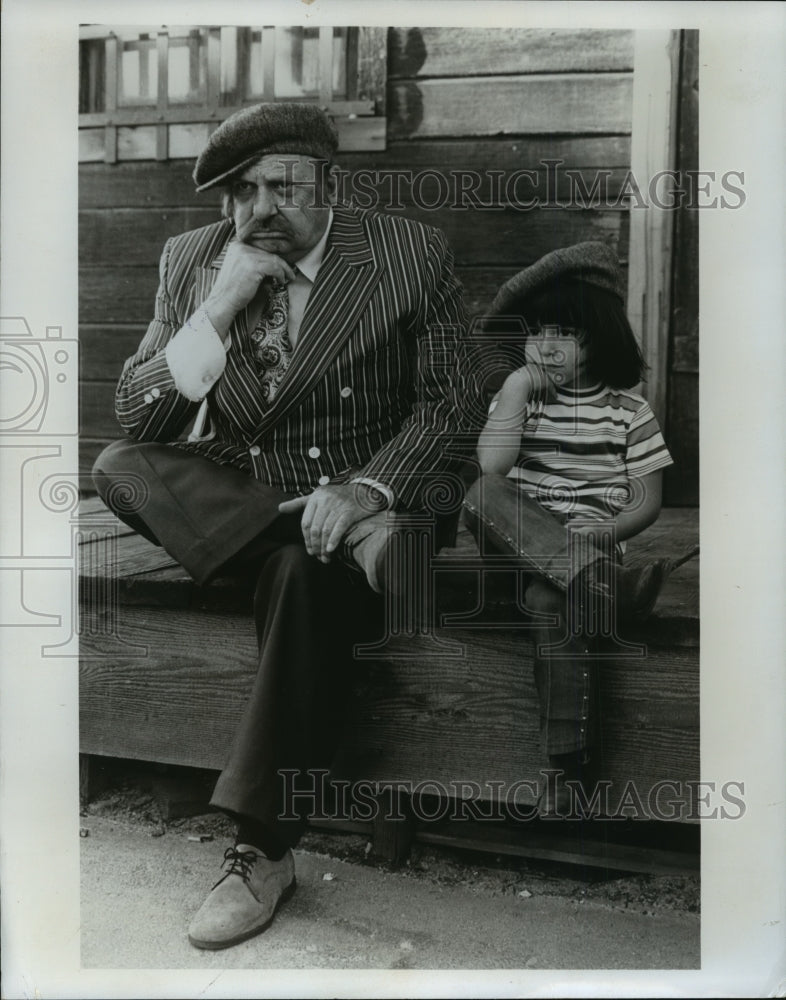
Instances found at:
x=557 y=800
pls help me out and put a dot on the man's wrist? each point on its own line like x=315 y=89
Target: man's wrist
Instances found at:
x=373 y=495
x=220 y=312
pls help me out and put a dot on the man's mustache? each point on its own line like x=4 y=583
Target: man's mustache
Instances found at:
x=252 y=228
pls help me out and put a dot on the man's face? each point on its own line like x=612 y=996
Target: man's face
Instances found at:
x=281 y=204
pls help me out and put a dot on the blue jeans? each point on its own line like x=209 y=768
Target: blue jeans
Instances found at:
x=504 y=520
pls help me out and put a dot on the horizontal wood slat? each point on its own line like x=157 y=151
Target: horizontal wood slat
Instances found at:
x=514 y=234
x=183 y=114
x=416 y=52
x=103 y=349
x=481 y=283
x=125 y=295
x=97 y=410
x=472 y=717
x=457 y=580
x=133 y=237
x=561 y=846
x=178 y=705
x=117 y=294
x=187 y=138
x=484 y=106
x=137 y=185
x=89 y=450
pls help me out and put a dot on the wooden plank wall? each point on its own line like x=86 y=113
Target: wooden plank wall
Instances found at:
x=681 y=482
x=458 y=100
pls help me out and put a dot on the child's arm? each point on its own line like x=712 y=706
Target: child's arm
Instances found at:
x=500 y=439
x=644 y=506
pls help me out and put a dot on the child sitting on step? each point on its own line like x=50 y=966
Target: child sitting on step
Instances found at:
x=571 y=461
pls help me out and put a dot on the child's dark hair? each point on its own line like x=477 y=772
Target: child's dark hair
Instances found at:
x=614 y=356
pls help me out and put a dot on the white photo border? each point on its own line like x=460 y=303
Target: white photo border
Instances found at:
x=743 y=361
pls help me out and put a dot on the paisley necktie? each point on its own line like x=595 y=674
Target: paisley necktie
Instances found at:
x=272 y=347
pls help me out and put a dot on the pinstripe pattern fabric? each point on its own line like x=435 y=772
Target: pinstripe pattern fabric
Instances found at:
x=360 y=396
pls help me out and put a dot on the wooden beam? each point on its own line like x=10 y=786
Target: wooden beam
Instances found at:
x=352 y=64
x=144 y=48
x=372 y=56
x=197 y=64
x=162 y=129
x=110 y=100
x=557 y=845
x=443 y=51
x=325 y=64
x=181 y=115
x=213 y=68
x=681 y=481
x=243 y=64
x=546 y=103
x=268 y=46
x=135 y=185
x=106 y=235
x=652 y=151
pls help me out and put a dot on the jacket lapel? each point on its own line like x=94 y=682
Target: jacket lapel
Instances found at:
x=346 y=280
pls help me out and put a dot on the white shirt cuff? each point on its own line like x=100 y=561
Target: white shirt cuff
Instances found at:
x=196 y=357
x=386 y=491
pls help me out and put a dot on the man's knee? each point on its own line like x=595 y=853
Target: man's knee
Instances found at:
x=285 y=567
x=115 y=462
x=118 y=476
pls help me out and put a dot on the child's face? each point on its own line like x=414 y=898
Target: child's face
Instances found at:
x=561 y=351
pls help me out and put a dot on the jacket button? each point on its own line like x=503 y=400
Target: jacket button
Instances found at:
x=314 y=452
x=346 y=392
x=323 y=480
x=254 y=450
x=148 y=398
x=155 y=393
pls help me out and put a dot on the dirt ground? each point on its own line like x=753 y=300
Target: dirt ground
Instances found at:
x=130 y=800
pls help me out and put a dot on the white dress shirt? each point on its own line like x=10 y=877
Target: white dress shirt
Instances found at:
x=306 y=271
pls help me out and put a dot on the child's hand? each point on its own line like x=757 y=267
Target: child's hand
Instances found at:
x=535 y=381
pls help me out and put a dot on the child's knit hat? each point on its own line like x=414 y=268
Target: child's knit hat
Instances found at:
x=594 y=263
x=240 y=140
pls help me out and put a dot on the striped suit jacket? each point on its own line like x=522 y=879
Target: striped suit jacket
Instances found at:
x=374 y=388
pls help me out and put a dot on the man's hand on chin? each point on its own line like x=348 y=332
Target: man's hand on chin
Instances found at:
x=330 y=512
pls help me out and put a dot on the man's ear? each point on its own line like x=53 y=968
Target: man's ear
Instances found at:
x=332 y=184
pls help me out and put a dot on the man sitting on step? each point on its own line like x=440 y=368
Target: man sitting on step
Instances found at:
x=300 y=333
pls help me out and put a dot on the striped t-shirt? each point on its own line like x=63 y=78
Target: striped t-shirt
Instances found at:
x=581 y=454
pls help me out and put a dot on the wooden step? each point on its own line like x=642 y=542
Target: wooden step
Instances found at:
x=153 y=687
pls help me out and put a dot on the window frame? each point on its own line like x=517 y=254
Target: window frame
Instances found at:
x=359 y=116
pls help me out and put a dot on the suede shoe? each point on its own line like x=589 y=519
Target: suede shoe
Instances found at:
x=244 y=900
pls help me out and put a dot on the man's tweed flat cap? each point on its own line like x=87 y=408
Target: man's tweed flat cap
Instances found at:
x=297 y=129
x=594 y=263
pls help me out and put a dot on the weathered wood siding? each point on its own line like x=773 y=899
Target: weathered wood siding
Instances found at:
x=151 y=687
x=681 y=483
x=458 y=100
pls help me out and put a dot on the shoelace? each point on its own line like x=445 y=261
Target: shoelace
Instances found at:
x=240 y=863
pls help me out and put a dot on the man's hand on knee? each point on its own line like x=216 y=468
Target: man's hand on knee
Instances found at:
x=328 y=514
